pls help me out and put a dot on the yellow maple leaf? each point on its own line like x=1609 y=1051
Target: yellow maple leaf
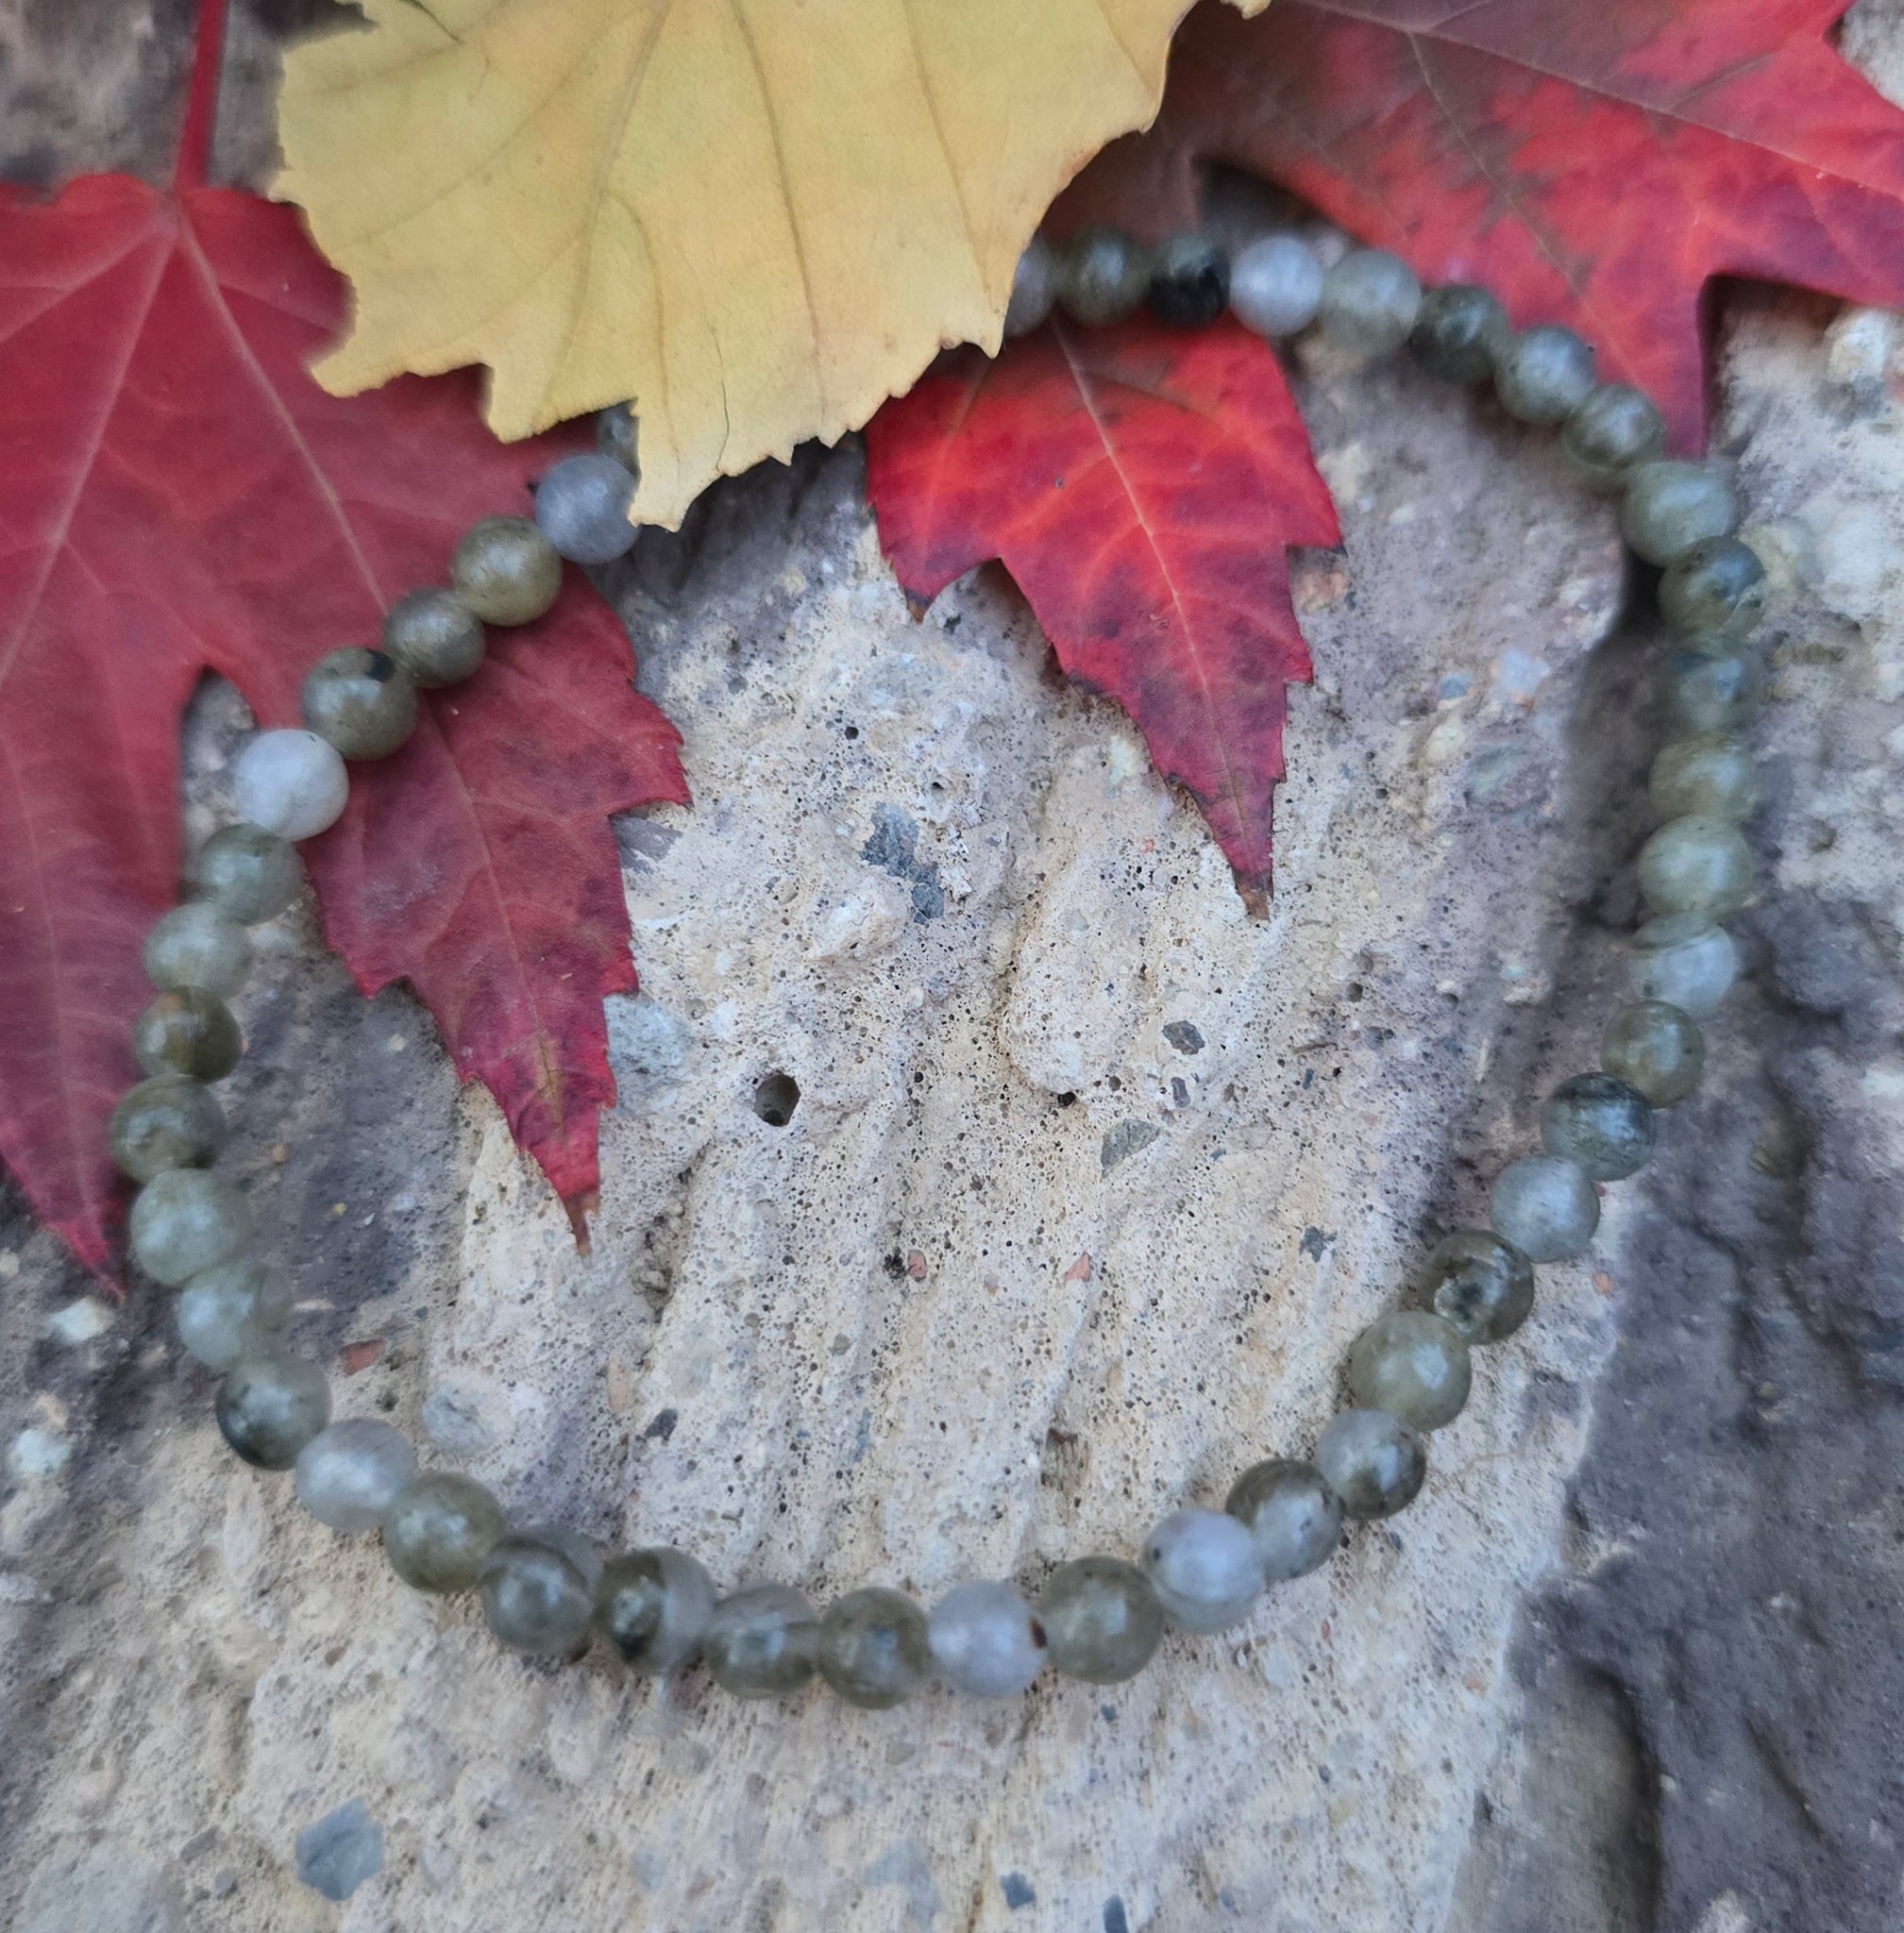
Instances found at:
x=757 y=218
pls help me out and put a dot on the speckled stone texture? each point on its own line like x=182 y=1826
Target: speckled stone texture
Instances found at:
x=1088 y=1183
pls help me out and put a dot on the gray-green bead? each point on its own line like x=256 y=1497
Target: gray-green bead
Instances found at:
x=1668 y=507
x=231 y=1311
x=187 y=1031
x=1613 y=430
x=187 y=1219
x=1711 y=775
x=1714 y=591
x=617 y=434
x=1204 y=1568
x=168 y=1121
x=1459 y=332
x=581 y=506
x=1374 y=1462
x=1715 y=691
x=1103 y=1620
x=762 y=1642
x=1600 y=1123
x=1034 y=288
x=350 y=1475
x=1369 y=303
x=197 y=945
x=1696 y=865
x=1657 y=1049
x=434 y=636
x=1546 y=1207
x=1103 y=275
x=1481 y=1286
x=1686 y=961
x=506 y=571
x=247 y=873
x=1544 y=374
x=873 y=1648
x=1413 y=1364
x=538 y=1590
x=269 y=1407
x=361 y=701
x=652 y=1606
x=1294 y=1518
x=438 y=1530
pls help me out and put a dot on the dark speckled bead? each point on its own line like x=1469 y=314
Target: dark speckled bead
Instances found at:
x=1103 y=1620
x=1294 y=1517
x=1600 y=1124
x=1459 y=332
x=361 y=701
x=168 y=1121
x=434 y=636
x=1716 y=590
x=1544 y=374
x=1612 y=431
x=653 y=1607
x=1189 y=281
x=247 y=873
x=1102 y=276
x=269 y=1406
x=187 y=1031
x=1482 y=1286
x=538 y=1590
x=1374 y=1462
x=762 y=1642
x=873 y=1648
x=438 y=1530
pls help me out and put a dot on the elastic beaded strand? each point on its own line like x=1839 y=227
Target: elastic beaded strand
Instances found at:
x=1098 y=1619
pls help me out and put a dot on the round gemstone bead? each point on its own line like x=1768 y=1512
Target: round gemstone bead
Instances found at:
x=617 y=434
x=1710 y=776
x=348 y=1474
x=168 y=1121
x=231 y=1311
x=1657 y=1049
x=270 y=1406
x=1293 y=1517
x=435 y=636
x=506 y=571
x=1189 y=281
x=186 y=1219
x=1601 y=1124
x=652 y=1606
x=439 y=1528
x=1715 y=591
x=1101 y=1619
x=187 y=1031
x=361 y=701
x=1697 y=866
x=985 y=1641
x=1544 y=374
x=538 y=1590
x=1369 y=303
x=1714 y=691
x=247 y=873
x=1460 y=333
x=1685 y=961
x=762 y=1642
x=1035 y=289
x=1669 y=506
x=1374 y=1462
x=873 y=1648
x=1102 y=276
x=1481 y=1286
x=1546 y=1207
x=1413 y=1364
x=581 y=506
x=1275 y=284
x=1205 y=1569
x=1612 y=431
x=290 y=783
x=196 y=945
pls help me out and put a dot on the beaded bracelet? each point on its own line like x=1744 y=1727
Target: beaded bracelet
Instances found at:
x=545 y=1588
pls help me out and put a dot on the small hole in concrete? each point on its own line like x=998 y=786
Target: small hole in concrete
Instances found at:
x=776 y=1098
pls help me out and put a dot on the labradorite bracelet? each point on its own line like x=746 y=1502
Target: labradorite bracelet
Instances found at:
x=545 y=1588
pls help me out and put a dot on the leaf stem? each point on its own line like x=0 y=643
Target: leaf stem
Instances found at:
x=201 y=103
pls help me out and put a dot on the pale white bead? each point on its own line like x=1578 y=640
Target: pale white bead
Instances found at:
x=1204 y=1567
x=348 y=1475
x=985 y=1641
x=1694 y=973
x=293 y=783
x=1275 y=285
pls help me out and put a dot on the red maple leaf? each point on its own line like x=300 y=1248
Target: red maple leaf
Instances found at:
x=176 y=493
x=1596 y=165
x=1142 y=485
